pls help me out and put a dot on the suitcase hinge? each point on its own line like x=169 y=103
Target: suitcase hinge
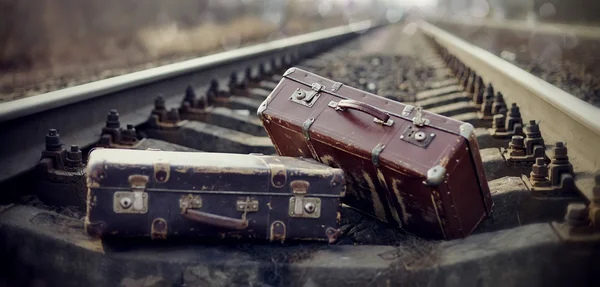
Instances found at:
x=135 y=201
x=300 y=205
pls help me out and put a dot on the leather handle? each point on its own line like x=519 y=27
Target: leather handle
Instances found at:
x=360 y=106
x=217 y=220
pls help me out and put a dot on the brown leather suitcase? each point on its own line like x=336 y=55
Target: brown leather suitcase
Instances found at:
x=160 y=194
x=405 y=166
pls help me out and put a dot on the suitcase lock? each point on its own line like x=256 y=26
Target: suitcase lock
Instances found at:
x=300 y=205
x=304 y=97
x=135 y=201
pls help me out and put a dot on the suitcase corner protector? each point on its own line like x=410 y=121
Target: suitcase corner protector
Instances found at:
x=435 y=175
x=467 y=130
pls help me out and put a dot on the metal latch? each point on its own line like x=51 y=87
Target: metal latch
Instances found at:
x=316 y=87
x=300 y=205
x=135 y=201
x=305 y=97
x=419 y=120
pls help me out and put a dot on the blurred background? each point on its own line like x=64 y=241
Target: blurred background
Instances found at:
x=49 y=43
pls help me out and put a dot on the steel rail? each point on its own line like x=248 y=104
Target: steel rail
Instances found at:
x=79 y=112
x=590 y=32
x=563 y=117
x=30 y=105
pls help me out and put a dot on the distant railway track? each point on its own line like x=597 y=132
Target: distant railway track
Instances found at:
x=198 y=105
x=561 y=117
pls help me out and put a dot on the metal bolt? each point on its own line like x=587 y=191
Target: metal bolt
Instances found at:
x=498 y=104
x=577 y=214
x=174 y=115
x=516 y=146
x=53 y=140
x=560 y=153
x=74 y=157
x=159 y=103
x=214 y=85
x=499 y=122
x=479 y=90
x=112 y=120
x=514 y=111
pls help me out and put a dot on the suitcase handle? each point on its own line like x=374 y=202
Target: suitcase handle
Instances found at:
x=360 y=106
x=217 y=220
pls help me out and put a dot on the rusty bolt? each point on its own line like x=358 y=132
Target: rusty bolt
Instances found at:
x=173 y=115
x=540 y=169
x=478 y=94
x=498 y=104
x=516 y=146
x=214 y=85
x=74 y=155
x=532 y=130
x=498 y=122
x=577 y=215
x=560 y=153
x=112 y=120
x=514 y=111
x=159 y=103
x=539 y=173
x=261 y=69
x=53 y=140
x=190 y=94
x=129 y=133
x=248 y=73
x=489 y=92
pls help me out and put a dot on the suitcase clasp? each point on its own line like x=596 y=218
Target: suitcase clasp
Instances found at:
x=301 y=206
x=305 y=97
x=135 y=201
x=419 y=120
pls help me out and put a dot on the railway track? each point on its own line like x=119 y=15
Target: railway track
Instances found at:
x=209 y=105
